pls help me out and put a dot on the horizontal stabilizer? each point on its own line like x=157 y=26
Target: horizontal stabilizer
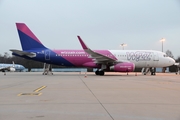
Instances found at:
x=23 y=53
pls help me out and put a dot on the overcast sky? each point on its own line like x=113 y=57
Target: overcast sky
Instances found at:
x=102 y=24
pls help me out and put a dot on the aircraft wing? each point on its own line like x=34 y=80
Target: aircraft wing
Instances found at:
x=99 y=58
x=23 y=53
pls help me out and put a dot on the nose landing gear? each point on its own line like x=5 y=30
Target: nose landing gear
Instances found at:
x=153 y=71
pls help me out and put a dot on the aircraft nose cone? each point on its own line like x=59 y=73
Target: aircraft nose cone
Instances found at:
x=171 y=61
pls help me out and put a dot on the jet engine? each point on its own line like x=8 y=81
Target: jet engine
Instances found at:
x=123 y=67
x=11 y=69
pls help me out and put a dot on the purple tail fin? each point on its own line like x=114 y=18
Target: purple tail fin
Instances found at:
x=28 y=39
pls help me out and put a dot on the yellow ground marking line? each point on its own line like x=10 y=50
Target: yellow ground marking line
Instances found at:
x=34 y=93
x=39 y=89
x=29 y=94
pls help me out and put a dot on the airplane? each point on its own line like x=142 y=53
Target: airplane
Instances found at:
x=19 y=67
x=11 y=67
x=103 y=60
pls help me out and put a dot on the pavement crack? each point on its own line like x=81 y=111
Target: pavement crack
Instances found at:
x=97 y=98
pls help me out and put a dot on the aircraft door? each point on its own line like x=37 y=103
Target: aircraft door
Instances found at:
x=155 y=59
x=47 y=55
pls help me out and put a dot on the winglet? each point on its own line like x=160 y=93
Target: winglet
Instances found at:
x=97 y=57
x=84 y=46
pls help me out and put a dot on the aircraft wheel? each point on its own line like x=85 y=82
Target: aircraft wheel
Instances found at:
x=97 y=72
x=154 y=73
x=101 y=73
x=151 y=73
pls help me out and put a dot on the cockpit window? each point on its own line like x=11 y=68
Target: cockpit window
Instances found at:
x=164 y=55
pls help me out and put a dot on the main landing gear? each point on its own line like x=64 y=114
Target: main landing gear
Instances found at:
x=177 y=71
x=99 y=72
x=47 y=69
x=153 y=71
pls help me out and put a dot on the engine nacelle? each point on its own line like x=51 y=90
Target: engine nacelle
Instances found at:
x=123 y=67
x=11 y=69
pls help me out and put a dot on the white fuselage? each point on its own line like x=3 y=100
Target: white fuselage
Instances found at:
x=12 y=67
x=143 y=58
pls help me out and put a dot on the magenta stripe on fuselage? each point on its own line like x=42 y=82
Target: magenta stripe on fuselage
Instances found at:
x=79 y=57
x=23 y=28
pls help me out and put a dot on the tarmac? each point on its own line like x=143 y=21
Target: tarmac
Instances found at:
x=80 y=96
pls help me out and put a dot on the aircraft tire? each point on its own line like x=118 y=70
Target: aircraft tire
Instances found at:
x=151 y=73
x=101 y=73
x=97 y=72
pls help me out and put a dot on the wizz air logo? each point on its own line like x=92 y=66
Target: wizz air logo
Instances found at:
x=139 y=56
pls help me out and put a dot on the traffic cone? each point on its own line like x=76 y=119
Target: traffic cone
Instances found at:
x=85 y=75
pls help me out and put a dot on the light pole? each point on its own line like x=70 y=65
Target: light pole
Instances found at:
x=164 y=68
x=123 y=45
x=162 y=40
